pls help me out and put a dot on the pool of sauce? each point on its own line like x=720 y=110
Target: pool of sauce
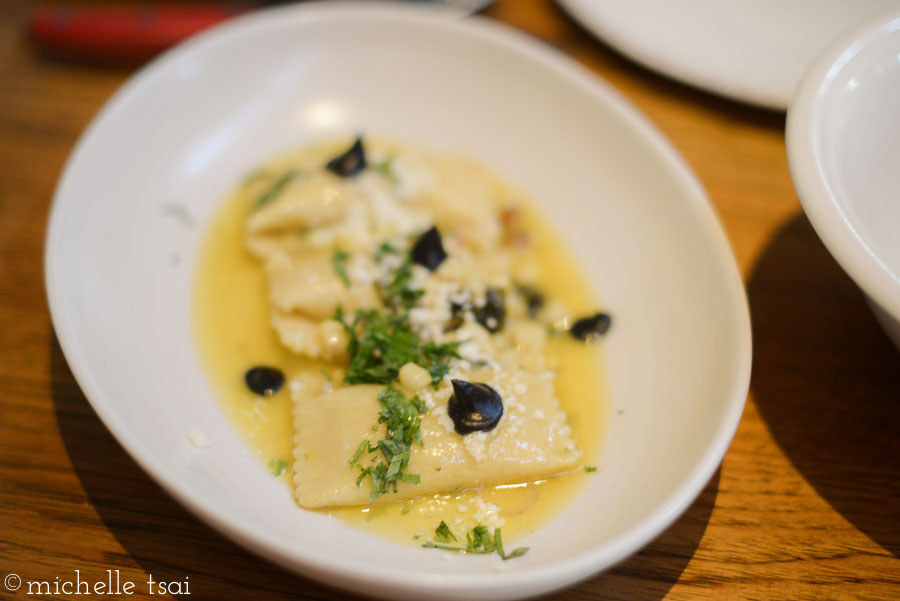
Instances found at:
x=233 y=334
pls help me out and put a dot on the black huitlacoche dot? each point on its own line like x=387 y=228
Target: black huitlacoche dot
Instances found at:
x=264 y=380
x=474 y=407
x=350 y=162
x=534 y=299
x=428 y=251
x=492 y=313
x=457 y=316
x=592 y=328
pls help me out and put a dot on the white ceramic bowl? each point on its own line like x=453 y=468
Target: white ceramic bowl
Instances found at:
x=187 y=129
x=843 y=141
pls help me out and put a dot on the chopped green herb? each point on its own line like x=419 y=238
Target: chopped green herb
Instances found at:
x=385 y=344
x=399 y=294
x=386 y=168
x=180 y=212
x=278 y=466
x=405 y=510
x=339 y=262
x=381 y=343
x=402 y=420
x=363 y=446
x=437 y=356
x=437 y=469
x=276 y=187
x=385 y=248
x=590 y=468
x=326 y=375
x=442 y=533
x=479 y=541
x=498 y=543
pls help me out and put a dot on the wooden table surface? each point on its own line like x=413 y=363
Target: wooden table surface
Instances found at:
x=806 y=504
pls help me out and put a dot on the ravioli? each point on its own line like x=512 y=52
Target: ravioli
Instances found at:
x=532 y=440
x=408 y=262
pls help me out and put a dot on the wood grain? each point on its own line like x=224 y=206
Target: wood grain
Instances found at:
x=806 y=504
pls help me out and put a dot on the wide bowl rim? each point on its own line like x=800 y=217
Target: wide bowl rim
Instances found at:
x=815 y=185
x=545 y=577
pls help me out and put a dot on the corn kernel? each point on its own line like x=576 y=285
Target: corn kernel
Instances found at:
x=333 y=337
x=414 y=377
x=556 y=314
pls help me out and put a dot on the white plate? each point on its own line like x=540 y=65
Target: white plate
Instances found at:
x=186 y=130
x=754 y=51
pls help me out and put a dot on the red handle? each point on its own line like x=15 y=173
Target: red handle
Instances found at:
x=113 y=33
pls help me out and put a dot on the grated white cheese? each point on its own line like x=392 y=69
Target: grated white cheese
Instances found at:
x=440 y=412
x=411 y=175
x=488 y=514
x=476 y=445
x=428 y=399
x=361 y=269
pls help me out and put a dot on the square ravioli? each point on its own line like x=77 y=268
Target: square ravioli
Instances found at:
x=530 y=441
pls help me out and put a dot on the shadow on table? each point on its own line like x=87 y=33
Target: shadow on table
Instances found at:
x=155 y=531
x=164 y=538
x=826 y=380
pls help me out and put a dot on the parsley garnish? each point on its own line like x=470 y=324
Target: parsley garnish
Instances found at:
x=385 y=343
x=590 y=468
x=278 y=466
x=498 y=543
x=276 y=188
x=381 y=343
x=402 y=421
x=398 y=294
x=385 y=248
x=478 y=540
x=339 y=262
x=437 y=357
x=443 y=534
x=386 y=168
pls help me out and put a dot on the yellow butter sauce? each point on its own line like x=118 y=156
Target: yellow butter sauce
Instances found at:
x=233 y=333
